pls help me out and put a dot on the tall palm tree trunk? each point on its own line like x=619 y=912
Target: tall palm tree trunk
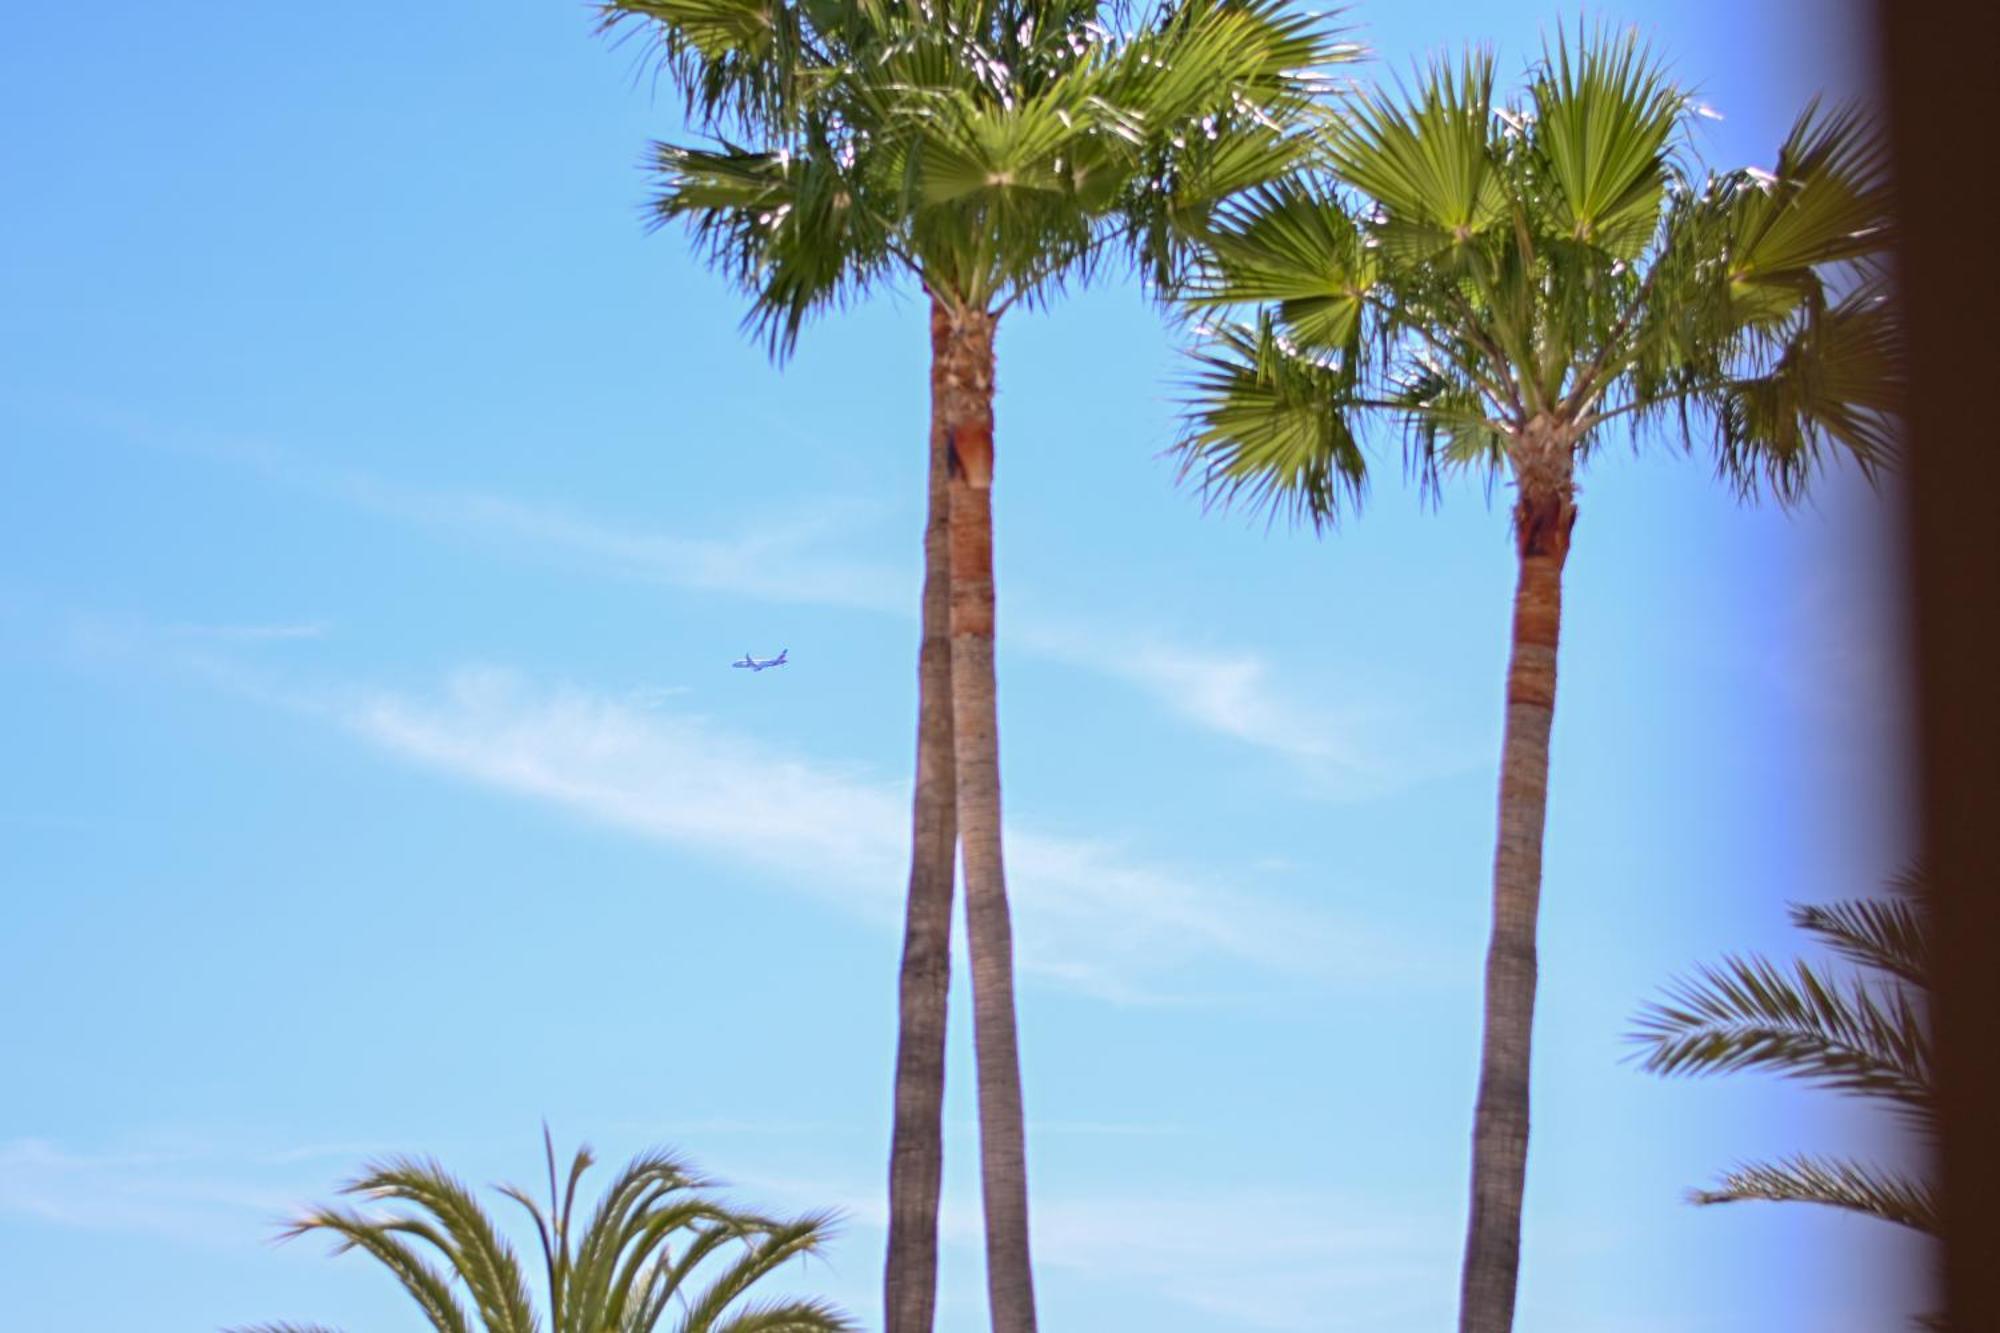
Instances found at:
x=916 y=1154
x=1003 y=1161
x=1543 y=517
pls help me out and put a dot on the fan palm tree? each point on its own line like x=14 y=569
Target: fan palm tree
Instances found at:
x=658 y=1253
x=1867 y=1034
x=1502 y=286
x=993 y=151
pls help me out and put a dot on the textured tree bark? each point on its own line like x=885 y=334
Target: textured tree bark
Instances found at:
x=916 y=1153
x=1544 y=514
x=975 y=732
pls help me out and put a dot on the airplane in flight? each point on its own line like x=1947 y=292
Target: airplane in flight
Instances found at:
x=759 y=663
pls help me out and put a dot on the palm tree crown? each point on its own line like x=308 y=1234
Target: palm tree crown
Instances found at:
x=1498 y=281
x=660 y=1252
x=995 y=150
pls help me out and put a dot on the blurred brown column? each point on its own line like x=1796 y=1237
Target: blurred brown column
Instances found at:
x=1942 y=86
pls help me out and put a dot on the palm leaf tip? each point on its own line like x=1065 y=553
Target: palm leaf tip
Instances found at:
x=1849 y=1186
x=1891 y=935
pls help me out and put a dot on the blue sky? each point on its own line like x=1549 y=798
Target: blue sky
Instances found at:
x=379 y=510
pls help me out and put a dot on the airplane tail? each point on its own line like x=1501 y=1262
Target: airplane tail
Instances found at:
x=782 y=652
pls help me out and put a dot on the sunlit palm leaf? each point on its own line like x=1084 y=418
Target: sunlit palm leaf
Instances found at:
x=424 y=1284
x=1427 y=162
x=768 y=1246
x=466 y=1237
x=786 y=1317
x=791 y=228
x=1603 y=117
x=1296 y=248
x=1268 y=426
x=658 y=1240
x=1827 y=202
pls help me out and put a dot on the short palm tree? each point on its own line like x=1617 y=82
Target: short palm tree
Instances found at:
x=1502 y=286
x=993 y=152
x=659 y=1253
x=1867 y=1034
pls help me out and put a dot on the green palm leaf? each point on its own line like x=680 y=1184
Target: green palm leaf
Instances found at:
x=424 y=1284
x=1868 y=1035
x=1267 y=426
x=1428 y=162
x=1296 y=248
x=657 y=1238
x=785 y=1317
x=1604 y=116
x=1826 y=203
x=464 y=1234
x=1835 y=381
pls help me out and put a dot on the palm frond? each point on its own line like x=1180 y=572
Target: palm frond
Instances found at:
x=425 y=1285
x=788 y=1317
x=1833 y=383
x=790 y=228
x=1890 y=934
x=477 y=1253
x=1427 y=161
x=1603 y=118
x=1296 y=248
x=1749 y=1014
x=657 y=1231
x=1446 y=426
x=1827 y=202
x=1268 y=425
x=651 y=1199
x=1831 y=1183
x=735 y=62
x=768 y=1245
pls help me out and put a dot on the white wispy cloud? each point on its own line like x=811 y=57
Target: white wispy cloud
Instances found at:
x=1233 y=693
x=780 y=557
x=785 y=554
x=183 y=1193
x=1346 y=752
x=794 y=557
x=1088 y=913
